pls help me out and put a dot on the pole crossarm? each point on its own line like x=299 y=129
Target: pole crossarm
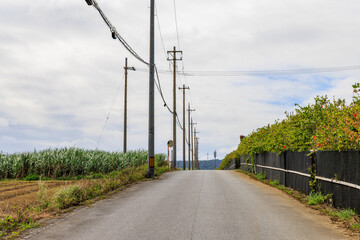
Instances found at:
x=172 y=55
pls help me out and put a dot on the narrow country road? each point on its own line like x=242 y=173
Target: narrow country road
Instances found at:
x=194 y=205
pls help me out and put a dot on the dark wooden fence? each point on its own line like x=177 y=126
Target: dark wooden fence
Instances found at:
x=337 y=173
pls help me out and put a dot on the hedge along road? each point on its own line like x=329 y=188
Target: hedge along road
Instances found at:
x=194 y=205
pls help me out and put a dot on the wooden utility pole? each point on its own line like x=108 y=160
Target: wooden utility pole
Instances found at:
x=197 y=152
x=189 y=128
x=192 y=144
x=172 y=56
x=196 y=148
x=183 y=88
x=125 y=103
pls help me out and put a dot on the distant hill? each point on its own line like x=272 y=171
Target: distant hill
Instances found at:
x=204 y=164
x=209 y=164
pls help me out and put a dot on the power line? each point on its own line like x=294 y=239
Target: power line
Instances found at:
x=108 y=116
x=161 y=37
x=262 y=72
x=158 y=86
x=176 y=24
x=114 y=32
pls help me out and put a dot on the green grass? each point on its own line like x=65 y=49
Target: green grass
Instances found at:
x=260 y=176
x=345 y=214
x=355 y=226
x=274 y=183
x=76 y=194
x=13 y=225
x=317 y=198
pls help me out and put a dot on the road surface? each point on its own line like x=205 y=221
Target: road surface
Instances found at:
x=194 y=205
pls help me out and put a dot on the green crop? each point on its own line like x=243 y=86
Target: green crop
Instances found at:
x=68 y=162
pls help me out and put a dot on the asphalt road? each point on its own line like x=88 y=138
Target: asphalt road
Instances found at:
x=194 y=205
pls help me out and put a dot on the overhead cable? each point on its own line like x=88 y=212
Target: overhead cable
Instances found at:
x=261 y=72
x=111 y=107
x=116 y=35
x=176 y=25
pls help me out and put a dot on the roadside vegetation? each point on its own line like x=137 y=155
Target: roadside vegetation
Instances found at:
x=325 y=125
x=56 y=183
x=66 y=163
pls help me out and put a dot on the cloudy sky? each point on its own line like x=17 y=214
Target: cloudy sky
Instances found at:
x=61 y=73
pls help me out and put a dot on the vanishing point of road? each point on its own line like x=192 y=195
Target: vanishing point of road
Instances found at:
x=194 y=205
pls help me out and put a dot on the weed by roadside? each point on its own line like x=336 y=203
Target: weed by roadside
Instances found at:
x=317 y=198
x=260 y=176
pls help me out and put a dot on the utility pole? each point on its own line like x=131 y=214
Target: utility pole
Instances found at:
x=195 y=141
x=189 y=128
x=192 y=144
x=197 y=166
x=172 y=56
x=125 y=103
x=183 y=88
x=215 y=158
x=151 y=135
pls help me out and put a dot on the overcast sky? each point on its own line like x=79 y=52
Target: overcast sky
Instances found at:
x=60 y=70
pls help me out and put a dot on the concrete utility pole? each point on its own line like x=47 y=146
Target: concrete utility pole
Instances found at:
x=172 y=56
x=125 y=103
x=189 y=128
x=192 y=144
x=151 y=135
x=183 y=88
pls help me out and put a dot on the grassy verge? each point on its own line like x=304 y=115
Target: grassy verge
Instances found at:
x=51 y=203
x=348 y=218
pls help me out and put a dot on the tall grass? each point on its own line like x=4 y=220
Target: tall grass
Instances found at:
x=69 y=162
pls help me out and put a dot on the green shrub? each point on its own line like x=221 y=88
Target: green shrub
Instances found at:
x=160 y=160
x=324 y=125
x=69 y=196
x=226 y=161
x=32 y=177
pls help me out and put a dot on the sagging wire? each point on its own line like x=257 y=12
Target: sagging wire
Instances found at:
x=114 y=32
x=108 y=116
x=158 y=86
